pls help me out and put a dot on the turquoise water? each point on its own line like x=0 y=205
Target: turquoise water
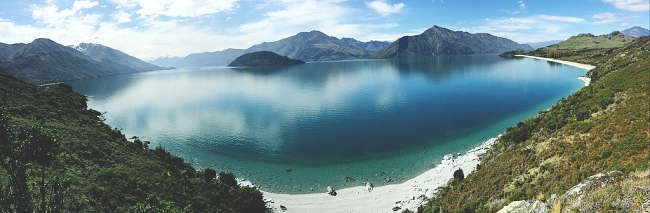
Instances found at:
x=325 y=121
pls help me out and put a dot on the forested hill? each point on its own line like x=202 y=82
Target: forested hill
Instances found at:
x=263 y=58
x=601 y=128
x=54 y=149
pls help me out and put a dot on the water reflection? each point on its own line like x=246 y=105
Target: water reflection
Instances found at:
x=323 y=112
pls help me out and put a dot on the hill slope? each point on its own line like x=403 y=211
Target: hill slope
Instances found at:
x=602 y=127
x=92 y=167
x=263 y=58
x=442 y=41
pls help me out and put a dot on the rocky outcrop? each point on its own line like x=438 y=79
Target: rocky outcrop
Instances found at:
x=526 y=206
x=605 y=192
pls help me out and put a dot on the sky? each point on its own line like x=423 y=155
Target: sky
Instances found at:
x=153 y=28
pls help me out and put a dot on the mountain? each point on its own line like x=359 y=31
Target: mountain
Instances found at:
x=306 y=46
x=109 y=55
x=263 y=58
x=317 y=46
x=442 y=41
x=45 y=61
x=543 y=43
x=636 y=31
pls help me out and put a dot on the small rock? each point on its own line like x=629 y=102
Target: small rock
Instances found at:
x=284 y=208
x=288 y=170
x=396 y=208
x=387 y=180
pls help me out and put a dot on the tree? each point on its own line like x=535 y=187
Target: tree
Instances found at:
x=459 y=175
x=210 y=174
x=19 y=148
x=228 y=179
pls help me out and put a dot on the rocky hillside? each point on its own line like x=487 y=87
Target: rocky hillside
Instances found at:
x=601 y=128
x=263 y=58
x=305 y=46
x=103 y=53
x=442 y=41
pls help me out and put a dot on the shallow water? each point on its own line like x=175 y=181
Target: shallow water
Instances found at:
x=294 y=129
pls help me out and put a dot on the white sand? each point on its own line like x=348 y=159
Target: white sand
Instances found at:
x=409 y=194
x=574 y=64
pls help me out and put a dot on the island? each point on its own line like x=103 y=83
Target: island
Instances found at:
x=263 y=58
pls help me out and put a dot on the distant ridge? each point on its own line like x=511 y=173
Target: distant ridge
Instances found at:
x=305 y=46
x=103 y=53
x=442 y=41
x=636 y=31
x=543 y=43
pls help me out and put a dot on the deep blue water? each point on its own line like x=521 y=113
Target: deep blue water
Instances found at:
x=365 y=119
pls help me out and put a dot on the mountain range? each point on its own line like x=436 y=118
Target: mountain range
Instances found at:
x=305 y=46
x=442 y=41
x=317 y=46
x=45 y=61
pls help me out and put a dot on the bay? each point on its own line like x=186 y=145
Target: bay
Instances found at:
x=302 y=128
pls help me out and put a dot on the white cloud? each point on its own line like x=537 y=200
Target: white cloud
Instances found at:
x=562 y=18
x=630 y=5
x=51 y=16
x=173 y=8
x=526 y=29
x=302 y=16
x=605 y=18
x=121 y=17
x=522 y=5
x=384 y=8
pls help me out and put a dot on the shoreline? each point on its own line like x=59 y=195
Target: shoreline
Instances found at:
x=587 y=67
x=406 y=195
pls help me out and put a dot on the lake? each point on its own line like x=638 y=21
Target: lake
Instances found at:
x=305 y=127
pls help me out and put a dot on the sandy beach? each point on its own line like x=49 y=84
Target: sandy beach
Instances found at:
x=406 y=195
x=574 y=64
